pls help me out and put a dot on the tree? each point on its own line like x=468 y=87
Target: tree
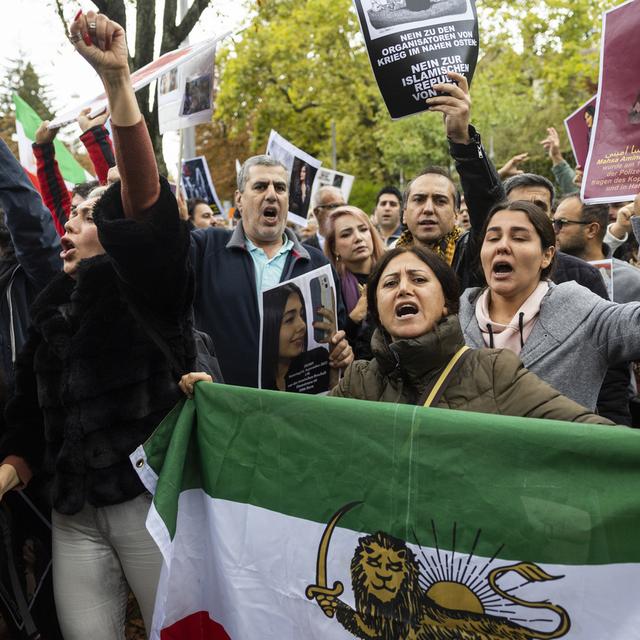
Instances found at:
x=22 y=78
x=173 y=34
x=301 y=66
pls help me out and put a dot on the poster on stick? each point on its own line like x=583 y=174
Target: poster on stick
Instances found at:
x=185 y=94
x=298 y=320
x=302 y=169
x=612 y=170
x=140 y=78
x=412 y=44
x=578 y=126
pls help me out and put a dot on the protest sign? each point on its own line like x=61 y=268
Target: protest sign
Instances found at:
x=197 y=182
x=329 y=178
x=139 y=79
x=185 y=94
x=412 y=44
x=605 y=267
x=578 y=126
x=612 y=170
x=275 y=511
x=302 y=170
x=298 y=317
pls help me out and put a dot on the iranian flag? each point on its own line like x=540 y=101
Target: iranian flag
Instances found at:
x=27 y=123
x=288 y=516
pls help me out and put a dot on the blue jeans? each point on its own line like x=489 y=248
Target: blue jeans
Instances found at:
x=96 y=553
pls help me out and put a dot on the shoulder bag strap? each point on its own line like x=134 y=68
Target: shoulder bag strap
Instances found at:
x=445 y=377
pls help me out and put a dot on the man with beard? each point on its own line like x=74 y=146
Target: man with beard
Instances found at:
x=580 y=231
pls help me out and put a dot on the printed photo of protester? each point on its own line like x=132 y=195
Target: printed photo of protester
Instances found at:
x=197 y=95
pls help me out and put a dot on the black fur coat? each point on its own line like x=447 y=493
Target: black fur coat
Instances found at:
x=91 y=385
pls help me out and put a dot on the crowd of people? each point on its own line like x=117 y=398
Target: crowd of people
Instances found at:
x=481 y=299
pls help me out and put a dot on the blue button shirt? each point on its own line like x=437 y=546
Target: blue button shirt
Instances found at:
x=268 y=270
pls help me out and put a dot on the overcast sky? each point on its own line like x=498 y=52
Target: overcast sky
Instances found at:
x=31 y=30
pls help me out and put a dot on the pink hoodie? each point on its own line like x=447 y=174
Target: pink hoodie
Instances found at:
x=510 y=336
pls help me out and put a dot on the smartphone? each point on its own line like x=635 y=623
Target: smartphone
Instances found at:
x=321 y=296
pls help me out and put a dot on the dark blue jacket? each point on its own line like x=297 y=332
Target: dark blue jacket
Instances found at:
x=36 y=260
x=226 y=303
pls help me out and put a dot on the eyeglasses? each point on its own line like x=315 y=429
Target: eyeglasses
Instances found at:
x=331 y=207
x=558 y=223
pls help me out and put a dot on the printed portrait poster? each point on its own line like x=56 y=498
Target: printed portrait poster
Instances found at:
x=612 y=171
x=302 y=169
x=330 y=178
x=197 y=183
x=605 y=267
x=185 y=94
x=412 y=44
x=579 y=125
x=298 y=317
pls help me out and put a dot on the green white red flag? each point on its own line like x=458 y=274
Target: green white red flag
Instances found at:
x=288 y=516
x=27 y=123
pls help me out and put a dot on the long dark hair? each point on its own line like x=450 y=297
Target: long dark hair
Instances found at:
x=540 y=221
x=274 y=304
x=443 y=272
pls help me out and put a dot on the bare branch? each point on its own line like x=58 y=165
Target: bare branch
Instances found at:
x=60 y=13
x=168 y=25
x=189 y=20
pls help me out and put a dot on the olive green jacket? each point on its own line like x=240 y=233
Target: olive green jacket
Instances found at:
x=486 y=381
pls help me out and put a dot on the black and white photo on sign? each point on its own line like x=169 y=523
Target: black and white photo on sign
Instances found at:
x=197 y=182
x=197 y=95
x=385 y=17
x=329 y=178
x=302 y=169
x=298 y=319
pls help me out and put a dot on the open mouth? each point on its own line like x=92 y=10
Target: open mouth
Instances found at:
x=502 y=268
x=406 y=309
x=67 y=247
x=270 y=213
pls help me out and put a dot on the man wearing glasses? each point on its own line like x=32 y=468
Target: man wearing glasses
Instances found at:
x=325 y=200
x=580 y=231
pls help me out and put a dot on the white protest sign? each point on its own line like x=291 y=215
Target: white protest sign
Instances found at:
x=185 y=94
x=302 y=169
x=139 y=79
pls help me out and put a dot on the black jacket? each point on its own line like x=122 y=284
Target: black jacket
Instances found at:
x=32 y=261
x=482 y=189
x=91 y=385
x=226 y=303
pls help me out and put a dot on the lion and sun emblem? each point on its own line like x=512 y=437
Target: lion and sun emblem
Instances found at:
x=395 y=600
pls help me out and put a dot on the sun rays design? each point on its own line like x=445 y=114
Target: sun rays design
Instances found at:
x=458 y=581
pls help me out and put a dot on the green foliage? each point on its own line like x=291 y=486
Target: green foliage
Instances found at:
x=302 y=65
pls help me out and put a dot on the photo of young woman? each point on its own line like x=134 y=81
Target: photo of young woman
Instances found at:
x=287 y=364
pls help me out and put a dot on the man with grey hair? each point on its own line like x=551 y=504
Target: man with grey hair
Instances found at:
x=325 y=200
x=232 y=269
